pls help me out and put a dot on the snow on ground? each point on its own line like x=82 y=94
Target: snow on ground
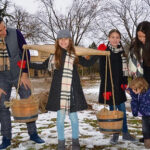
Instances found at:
x=90 y=136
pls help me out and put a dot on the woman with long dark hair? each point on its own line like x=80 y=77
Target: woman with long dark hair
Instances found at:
x=139 y=64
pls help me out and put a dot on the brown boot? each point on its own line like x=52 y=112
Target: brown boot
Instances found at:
x=147 y=143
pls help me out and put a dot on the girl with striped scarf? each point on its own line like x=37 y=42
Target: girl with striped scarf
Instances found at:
x=66 y=94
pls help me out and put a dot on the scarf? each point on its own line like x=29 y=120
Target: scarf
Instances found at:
x=4 y=57
x=51 y=63
x=124 y=60
x=135 y=66
x=66 y=82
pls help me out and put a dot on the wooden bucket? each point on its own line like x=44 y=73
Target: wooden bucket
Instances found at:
x=25 y=110
x=110 y=121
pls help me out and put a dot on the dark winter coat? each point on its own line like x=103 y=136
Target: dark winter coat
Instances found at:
x=78 y=101
x=140 y=103
x=117 y=75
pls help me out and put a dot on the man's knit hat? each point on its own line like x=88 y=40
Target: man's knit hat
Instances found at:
x=63 y=34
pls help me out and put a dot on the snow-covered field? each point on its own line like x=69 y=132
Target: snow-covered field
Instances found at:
x=90 y=136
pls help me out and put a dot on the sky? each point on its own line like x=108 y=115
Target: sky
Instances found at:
x=32 y=6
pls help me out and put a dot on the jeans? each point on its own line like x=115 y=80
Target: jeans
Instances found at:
x=146 y=127
x=60 y=124
x=5 y=118
x=122 y=108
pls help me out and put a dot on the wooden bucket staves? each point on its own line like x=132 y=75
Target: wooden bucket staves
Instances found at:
x=25 y=110
x=110 y=121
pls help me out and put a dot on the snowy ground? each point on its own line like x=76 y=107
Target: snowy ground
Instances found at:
x=90 y=137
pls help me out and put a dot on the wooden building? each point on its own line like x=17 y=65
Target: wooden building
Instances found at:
x=39 y=58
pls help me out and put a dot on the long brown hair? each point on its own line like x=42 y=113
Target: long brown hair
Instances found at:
x=58 y=53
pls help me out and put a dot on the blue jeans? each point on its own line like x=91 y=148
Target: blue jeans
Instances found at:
x=122 y=108
x=60 y=124
x=5 y=118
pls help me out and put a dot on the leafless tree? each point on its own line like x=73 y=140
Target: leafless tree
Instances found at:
x=78 y=19
x=27 y=24
x=123 y=15
x=4 y=4
x=147 y=2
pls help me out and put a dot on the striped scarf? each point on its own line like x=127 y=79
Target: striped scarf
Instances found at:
x=66 y=82
x=135 y=67
x=51 y=63
x=4 y=57
x=124 y=60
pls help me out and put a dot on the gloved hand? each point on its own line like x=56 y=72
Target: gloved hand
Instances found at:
x=123 y=86
x=107 y=95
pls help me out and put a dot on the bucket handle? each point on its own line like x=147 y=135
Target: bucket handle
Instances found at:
x=112 y=85
x=24 y=51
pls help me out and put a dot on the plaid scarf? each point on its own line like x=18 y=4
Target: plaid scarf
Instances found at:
x=4 y=57
x=124 y=60
x=135 y=66
x=66 y=82
x=51 y=64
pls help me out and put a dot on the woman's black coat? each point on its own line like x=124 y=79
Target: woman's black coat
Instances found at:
x=117 y=75
x=78 y=101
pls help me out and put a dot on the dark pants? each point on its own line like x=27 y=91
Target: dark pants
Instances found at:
x=5 y=117
x=146 y=127
x=122 y=108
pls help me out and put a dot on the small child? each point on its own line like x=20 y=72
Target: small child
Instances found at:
x=140 y=105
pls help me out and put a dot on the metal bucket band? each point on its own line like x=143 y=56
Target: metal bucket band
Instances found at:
x=110 y=130
x=25 y=118
x=110 y=120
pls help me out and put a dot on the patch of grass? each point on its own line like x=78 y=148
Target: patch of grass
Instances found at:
x=18 y=137
x=48 y=147
x=53 y=119
x=85 y=136
x=97 y=147
x=23 y=129
x=137 y=132
x=51 y=125
x=53 y=131
x=136 y=122
x=93 y=123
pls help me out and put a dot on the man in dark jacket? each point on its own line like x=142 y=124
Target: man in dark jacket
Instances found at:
x=13 y=40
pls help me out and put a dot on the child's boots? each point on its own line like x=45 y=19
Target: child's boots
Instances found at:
x=61 y=145
x=75 y=144
x=128 y=137
x=114 y=139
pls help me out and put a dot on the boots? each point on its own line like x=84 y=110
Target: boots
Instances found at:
x=5 y=143
x=128 y=137
x=75 y=144
x=114 y=139
x=34 y=137
x=147 y=143
x=61 y=145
